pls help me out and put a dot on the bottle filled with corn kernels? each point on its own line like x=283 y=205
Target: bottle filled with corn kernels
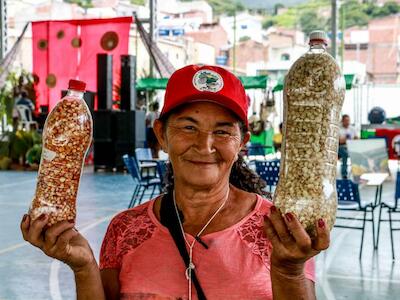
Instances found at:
x=67 y=135
x=313 y=96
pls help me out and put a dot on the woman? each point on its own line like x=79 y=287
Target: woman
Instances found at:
x=236 y=245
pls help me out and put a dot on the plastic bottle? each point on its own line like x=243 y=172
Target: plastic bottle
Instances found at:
x=67 y=135
x=313 y=96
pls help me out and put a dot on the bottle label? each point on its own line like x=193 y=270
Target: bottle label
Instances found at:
x=48 y=154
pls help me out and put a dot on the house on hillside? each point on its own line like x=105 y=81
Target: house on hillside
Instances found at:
x=246 y=26
x=377 y=47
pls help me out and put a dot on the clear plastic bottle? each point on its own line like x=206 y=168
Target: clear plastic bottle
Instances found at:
x=67 y=135
x=313 y=97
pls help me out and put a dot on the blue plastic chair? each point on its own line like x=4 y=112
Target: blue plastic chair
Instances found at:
x=143 y=154
x=392 y=207
x=145 y=162
x=268 y=170
x=349 y=200
x=141 y=184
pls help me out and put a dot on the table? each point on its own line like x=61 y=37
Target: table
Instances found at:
x=377 y=180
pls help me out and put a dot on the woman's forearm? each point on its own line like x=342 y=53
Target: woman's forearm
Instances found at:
x=88 y=283
x=291 y=286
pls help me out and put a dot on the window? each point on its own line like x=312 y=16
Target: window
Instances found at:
x=285 y=57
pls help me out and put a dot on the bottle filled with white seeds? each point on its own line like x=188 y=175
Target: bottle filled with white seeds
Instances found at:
x=313 y=96
x=67 y=135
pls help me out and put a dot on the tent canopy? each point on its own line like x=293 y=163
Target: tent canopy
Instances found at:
x=349 y=78
x=249 y=82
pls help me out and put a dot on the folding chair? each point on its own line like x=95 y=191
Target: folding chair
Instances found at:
x=269 y=171
x=392 y=207
x=144 y=159
x=142 y=184
x=349 y=200
x=143 y=154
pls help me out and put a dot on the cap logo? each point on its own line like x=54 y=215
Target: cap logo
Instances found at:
x=208 y=81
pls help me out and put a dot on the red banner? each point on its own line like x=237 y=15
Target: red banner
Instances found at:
x=68 y=49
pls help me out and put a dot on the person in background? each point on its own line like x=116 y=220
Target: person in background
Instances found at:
x=347 y=132
x=25 y=101
x=278 y=138
x=151 y=116
x=261 y=140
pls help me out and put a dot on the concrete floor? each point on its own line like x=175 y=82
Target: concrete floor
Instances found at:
x=25 y=273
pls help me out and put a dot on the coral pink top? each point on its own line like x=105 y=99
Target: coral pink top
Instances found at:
x=236 y=265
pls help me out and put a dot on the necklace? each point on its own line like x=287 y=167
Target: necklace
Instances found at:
x=191 y=266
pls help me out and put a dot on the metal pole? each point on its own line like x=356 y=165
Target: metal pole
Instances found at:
x=152 y=31
x=334 y=27
x=234 y=42
x=2 y=28
x=342 y=25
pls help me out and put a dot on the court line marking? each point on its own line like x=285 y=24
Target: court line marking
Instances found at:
x=13 y=247
x=54 y=283
x=17 y=183
x=377 y=279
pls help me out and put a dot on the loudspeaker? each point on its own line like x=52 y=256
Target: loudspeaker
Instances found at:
x=103 y=126
x=130 y=127
x=117 y=133
x=104 y=81
x=88 y=96
x=128 y=89
x=103 y=155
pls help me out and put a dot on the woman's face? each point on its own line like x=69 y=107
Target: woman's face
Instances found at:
x=203 y=140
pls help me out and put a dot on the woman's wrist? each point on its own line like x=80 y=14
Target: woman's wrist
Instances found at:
x=86 y=270
x=289 y=270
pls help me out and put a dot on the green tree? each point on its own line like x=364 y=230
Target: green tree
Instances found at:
x=277 y=7
x=268 y=22
x=244 y=38
x=310 y=21
x=81 y=3
x=138 y=2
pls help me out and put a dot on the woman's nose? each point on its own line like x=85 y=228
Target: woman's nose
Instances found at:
x=204 y=141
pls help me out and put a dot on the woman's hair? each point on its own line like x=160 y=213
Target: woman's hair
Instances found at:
x=241 y=175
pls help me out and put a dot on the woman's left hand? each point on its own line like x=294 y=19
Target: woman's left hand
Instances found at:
x=292 y=246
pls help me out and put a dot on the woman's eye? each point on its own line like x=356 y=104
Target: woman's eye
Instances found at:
x=189 y=128
x=222 y=133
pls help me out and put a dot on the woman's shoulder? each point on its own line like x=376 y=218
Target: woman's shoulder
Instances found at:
x=133 y=219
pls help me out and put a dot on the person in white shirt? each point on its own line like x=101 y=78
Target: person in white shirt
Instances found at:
x=151 y=116
x=347 y=132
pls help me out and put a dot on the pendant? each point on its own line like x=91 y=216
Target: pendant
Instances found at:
x=188 y=271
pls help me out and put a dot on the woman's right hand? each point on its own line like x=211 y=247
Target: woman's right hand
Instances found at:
x=60 y=241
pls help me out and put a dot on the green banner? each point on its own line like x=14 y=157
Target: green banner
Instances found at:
x=249 y=82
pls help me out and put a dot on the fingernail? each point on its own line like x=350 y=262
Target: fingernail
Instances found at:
x=42 y=217
x=273 y=209
x=289 y=217
x=24 y=218
x=321 y=223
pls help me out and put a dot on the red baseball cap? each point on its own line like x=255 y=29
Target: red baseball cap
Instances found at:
x=209 y=83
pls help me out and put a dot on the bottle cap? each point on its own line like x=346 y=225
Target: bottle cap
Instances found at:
x=318 y=36
x=76 y=85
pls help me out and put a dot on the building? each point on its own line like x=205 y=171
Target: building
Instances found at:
x=384 y=37
x=284 y=47
x=247 y=26
x=380 y=39
x=215 y=35
x=248 y=52
x=186 y=10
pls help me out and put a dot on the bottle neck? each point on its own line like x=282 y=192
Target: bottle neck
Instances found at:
x=317 y=46
x=75 y=94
